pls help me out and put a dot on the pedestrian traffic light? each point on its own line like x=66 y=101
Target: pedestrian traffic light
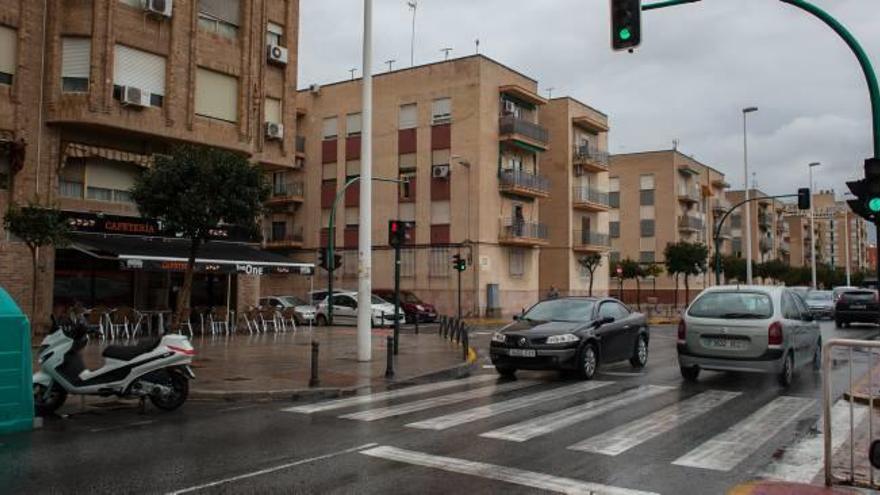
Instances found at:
x=326 y=263
x=804 y=198
x=337 y=261
x=459 y=263
x=626 y=24
x=400 y=233
x=867 y=192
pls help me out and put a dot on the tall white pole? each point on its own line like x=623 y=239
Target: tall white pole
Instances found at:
x=414 y=5
x=846 y=244
x=365 y=238
x=812 y=229
x=748 y=204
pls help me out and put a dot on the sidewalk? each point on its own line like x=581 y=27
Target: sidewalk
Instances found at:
x=783 y=488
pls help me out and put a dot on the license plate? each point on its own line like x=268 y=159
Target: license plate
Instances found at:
x=522 y=352
x=858 y=306
x=726 y=343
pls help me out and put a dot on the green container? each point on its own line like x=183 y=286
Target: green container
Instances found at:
x=16 y=378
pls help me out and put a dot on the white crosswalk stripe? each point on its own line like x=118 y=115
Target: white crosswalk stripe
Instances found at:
x=548 y=423
x=483 y=412
x=520 y=477
x=443 y=400
x=726 y=450
x=391 y=394
x=625 y=437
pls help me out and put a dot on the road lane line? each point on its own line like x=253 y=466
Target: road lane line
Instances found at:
x=443 y=400
x=483 y=412
x=272 y=469
x=520 y=477
x=804 y=460
x=548 y=423
x=627 y=436
x=123 y=427
x=391 y=394
x=726 y=450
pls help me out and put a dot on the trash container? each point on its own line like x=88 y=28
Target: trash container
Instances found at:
x=16 y=379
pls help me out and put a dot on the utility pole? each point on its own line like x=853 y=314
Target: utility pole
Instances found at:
x=414 y=5
x=747 y=111
x=812 y=227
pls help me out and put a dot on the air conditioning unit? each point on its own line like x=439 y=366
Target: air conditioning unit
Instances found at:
x=440 y=171
x=135 y=97
x=315 y=89
x=509 y=107
x=159 y=7
x=277 y=54
x=274 y=131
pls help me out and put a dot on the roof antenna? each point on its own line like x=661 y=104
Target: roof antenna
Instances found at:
x=675 y=144
x=549 y=93
x=352 y=70
x=477 y=42
x=446 y=52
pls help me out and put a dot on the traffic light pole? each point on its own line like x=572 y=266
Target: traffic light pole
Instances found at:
x=459 y=294
x=397 y=299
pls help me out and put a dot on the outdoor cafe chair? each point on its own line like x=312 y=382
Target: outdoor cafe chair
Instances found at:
x=288 y=315
x=269 y=317
x=202 y=312
x=97 y=320
x=219 y=320
x=179 y=324
x=126 y=321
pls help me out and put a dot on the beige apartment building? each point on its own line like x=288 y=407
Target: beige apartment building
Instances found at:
x=831 y=230
x=660 y=198
x=96 y=88
x=470 y=137
x=771 y=234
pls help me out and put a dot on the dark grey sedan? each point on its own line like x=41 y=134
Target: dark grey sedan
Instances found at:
x=572 y=333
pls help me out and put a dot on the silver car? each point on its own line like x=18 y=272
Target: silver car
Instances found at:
x=757 y=329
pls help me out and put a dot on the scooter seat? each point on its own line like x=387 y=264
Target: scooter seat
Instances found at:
x=129 y=352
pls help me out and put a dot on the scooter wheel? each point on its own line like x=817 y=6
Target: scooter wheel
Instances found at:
x=47 y=403
x=177 y=396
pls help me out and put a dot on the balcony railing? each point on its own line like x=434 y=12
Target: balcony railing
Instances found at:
x=524 y=183
x=511 y=124
x=719 y=204
x=288 y=189
x=689 y=195
x=300 y=144
x=764 y=220
x=590 y=197
x=589 y=240
x=284 y=239
x=690 y=223
x=522 y=233
x=765 y=245
x=590 y=156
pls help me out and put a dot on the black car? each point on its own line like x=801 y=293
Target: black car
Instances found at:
x=572 y=333
x=857 y=306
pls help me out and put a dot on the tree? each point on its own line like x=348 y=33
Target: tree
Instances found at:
x=773 y=269
x=37 y=226
x=734 y=268
x=591 y=263
x=195 y=189
x=653 y=270
x=632 y=269
x=687 y=259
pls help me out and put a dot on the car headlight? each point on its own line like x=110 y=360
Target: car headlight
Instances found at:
x=499 y=337
x=563 y=339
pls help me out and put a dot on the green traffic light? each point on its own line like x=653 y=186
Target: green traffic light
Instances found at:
x=874 y=205
x=625 y=34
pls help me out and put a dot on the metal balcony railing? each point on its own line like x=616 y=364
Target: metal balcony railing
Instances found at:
x=688 y=222
x=764 y=220
x=300 y=144
x=590 y=154
x=520 y=179
x=689 y=194
x=285 y=237
x=765 y=245
x=583 y=238
x=287 y=189
x=590 y=195
x=513 y=229
x=510 y=124
x=719 y=204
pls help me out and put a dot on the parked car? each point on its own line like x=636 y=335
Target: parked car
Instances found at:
x=319 y=295
x=748 y=328
x=821 y=303
x=857 y=306
x=345 y=310
x=571 y=333
x=801 y=290
x=303 y=312
x=837 y=291
x=413 y=307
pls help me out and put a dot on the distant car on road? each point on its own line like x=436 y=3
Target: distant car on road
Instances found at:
x=820 y=303
x=801 y=290
x=837 y=291
x=571 y=333
x=303 y=312
x=414 y=307
x=748 y=328
x=857 y=306
x=345 y=307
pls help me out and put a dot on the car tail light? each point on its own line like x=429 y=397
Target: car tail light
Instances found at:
x=774 y=334
x=682 y=330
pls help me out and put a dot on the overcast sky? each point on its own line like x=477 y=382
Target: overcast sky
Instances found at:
x=698 y=66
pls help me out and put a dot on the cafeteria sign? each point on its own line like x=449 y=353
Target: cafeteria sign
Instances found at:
x=180 y=266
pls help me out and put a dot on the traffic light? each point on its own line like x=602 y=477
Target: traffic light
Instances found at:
x=804 y=198
x=337 y=261
x=626 y=24
x=400 y=233
x=322 y=258
x=326 y=263
x=867 y=191
x=459 y=263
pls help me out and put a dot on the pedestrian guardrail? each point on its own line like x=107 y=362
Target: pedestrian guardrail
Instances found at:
x=456 y=330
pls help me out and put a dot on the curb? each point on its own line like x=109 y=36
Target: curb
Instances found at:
x=784 y=488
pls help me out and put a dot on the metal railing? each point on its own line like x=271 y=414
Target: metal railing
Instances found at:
x=284 y=237
x=764 y=220
x=525 y=180
x=689 y=194
x=589 y=195
x=689 y=222
x=286 y=189
x=591 y=154
x=765 y=245
x=720 y=204
x=512 y=229
x=584 y=238
x=300 y=144
x=510 y=124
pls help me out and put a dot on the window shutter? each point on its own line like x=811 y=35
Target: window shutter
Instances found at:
x=139 y=69
x=76 y=57
x=216 y=95
x=8 y=44
x=442 y=110
x=275 y=28
x=352 y=168
x=111 y=175
x=408 y=118
x=273 y=110
x=353 y=124
x=330 y=128
x=225 y=10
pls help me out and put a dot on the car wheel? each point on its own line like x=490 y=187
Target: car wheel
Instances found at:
x=588 y=362
x=690 y=374
x=786 y=377
x=838 y=323
x=640 y=354
x=321 y=321
x=817 y=356
x=506 y=371
x=47 y=402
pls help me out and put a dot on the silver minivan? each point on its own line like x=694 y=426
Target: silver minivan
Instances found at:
x=748 y=328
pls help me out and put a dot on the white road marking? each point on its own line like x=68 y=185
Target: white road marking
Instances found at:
x=123 y=427
x=548 y=423
x=391 y=394
x=726 y=450
x=520 y=477
x=421 y=405
x=272 y=469
x=804 y=460
x=619 y=373
x=627 y=436
x=482 y=412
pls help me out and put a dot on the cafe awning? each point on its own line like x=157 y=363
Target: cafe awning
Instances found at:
x=171 y=254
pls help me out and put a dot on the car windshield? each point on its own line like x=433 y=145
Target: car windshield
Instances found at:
x=736 y=305
x=862 y=296
x=292 y=301
x=409 y=297
x=379 y=300
x=819 y=295
x=570 y=310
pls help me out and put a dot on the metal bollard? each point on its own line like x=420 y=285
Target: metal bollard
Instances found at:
x=417 y=323
x=389 y=355
x=443 y=327
x=313 y=381
x=459 y=328
x=465 y=346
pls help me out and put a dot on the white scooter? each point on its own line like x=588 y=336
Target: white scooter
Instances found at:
x=155 y=368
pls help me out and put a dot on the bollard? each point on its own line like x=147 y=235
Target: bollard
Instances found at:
x=465 y=344
x=313 y=381
x=417 y=323
x=389 y=355
x=443 y=326
x=458 y=330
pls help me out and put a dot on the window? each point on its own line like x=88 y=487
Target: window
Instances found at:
x=273 y=111
x=352 y=169
x=646 y=257
x=439 y=263
x=71 y=178
x=646 y=228
x=646 y=197
x=75 y=64
x=614 y=229
x=353 y=124
x=216 y=95
x=441 y=111
x=516 y=262
x=440 y=213
x=736 y=221
x=109 y=180
x=328 y=171
x=408 y=186
x=100 y=193
x=274 y=34
x=220 y=17
x=614 y=199
x=646 y=182
x=279 y=231
x=349 y=263
x=408 y=116
x=142 y=70
x=614 y=257
x=8 y=47
x=407 y=262
x=613 y=310
x=330 y=128
x=4 y=171
x=614 y=184
x=737 y=245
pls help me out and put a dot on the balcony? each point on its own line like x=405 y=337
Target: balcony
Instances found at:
x=689 y=195
x=284 y=240
x=527 y=134
x=590 y=242
x=589 y=199
x=522 y=183
x=765 y=222
x=286 y=193
x=301 y=146
x=784 y=246
x=590 y=159
x=522 y=234
x=720 y=205
x=687 y=169
x=690 y=224
x=765 y=245
x=726 y=232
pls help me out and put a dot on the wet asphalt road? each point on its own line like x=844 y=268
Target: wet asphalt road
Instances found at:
x=210 y=447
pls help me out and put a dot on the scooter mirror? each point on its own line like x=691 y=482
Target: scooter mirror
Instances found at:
x=874 y=454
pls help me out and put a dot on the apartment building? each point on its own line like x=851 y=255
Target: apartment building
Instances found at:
x=660 y=198
x=94 y=89
x=834 y=222
x=468 y=137
x=771 y=234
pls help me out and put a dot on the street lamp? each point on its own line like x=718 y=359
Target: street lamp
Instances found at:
x=812 y=226
x=365 y=234
x=748 y=212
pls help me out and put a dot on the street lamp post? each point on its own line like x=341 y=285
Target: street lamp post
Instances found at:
x=748 y=211
x=812 y=226
x=365 y=234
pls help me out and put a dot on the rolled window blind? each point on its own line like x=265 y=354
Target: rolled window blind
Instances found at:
x=272 y=110
x=8 y=44
x=216 y=95
x=76 y=57
x=225 y=10
x=139 y=69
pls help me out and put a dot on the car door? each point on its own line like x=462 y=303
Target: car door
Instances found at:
x=810 y=330
x=611 y=335
x=629 y=331
x=343 y=310
x=791 y=325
